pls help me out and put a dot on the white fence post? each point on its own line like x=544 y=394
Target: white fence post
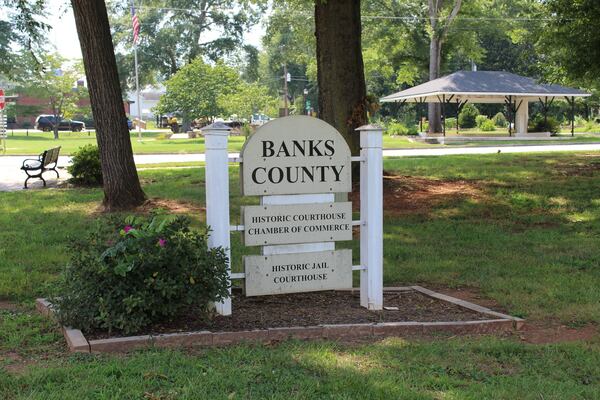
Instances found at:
x=217 y=195
x=371 y=213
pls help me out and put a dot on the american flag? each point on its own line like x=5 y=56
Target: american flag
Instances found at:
x=136 y=25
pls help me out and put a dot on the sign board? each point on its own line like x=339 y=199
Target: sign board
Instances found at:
x=2 y=100
x=297 y=223
x=295 y=155
x=300 y=272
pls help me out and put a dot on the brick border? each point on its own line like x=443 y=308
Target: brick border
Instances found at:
x=501 y=323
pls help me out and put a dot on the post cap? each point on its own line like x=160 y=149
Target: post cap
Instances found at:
x=217 y=126
x=370 y=127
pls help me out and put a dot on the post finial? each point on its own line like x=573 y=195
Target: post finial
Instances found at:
x=216 y=126
x=369 y=127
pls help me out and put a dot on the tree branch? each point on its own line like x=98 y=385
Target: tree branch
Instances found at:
x=451 y=17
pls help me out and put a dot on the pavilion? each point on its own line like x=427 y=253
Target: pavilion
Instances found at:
x=515 y=91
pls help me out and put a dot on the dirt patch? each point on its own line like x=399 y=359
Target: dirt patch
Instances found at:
x=173 y=206
x=309 y=309
x=584 y=168
x=13 y=363
x=403 y=194
x=535 y=334
x=8 y=306
x=169 y=205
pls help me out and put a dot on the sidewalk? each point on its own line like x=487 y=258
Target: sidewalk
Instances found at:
x=12 y=178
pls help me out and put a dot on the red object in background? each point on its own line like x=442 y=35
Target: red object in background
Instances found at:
x=2 y=101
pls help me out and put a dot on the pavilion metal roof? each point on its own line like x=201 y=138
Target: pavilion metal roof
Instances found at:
x=482 y=87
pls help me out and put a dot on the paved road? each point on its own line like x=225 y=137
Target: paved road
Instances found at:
x=11 y=178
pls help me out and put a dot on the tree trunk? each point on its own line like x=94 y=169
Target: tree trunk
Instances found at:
x=55 y=130
x=186 y=123
x=434 y=113
x=340 y=69
x=122 y=188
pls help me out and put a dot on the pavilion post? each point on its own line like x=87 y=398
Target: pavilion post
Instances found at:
x=418 y=112
x=571 y=101
x=459 y=107
x=572 y=116
x=420 y=108
x=443 y=104
x=508 y=102
x=457 y=113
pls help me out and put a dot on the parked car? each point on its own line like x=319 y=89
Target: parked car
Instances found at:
x=46 y=123
x=259 y=119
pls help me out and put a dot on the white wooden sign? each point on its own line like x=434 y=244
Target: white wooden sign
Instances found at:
x=300 y=272
x=296 y=155
x=297 y=223
x=298 y=163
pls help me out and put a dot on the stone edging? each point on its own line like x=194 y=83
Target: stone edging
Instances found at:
x=502 y=322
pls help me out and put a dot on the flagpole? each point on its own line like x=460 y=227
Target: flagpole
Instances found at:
x=137 y=86
x=137 y=94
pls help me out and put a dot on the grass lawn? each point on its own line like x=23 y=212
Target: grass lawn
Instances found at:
x=520 y=230
x=152 y=143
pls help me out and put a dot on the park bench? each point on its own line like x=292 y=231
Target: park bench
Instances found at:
x=47 y=161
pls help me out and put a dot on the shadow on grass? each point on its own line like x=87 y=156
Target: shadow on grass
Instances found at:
x=481 y=368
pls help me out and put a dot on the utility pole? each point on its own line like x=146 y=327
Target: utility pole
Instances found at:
x=286 y=110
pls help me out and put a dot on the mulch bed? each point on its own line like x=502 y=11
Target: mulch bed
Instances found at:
x=310 y=309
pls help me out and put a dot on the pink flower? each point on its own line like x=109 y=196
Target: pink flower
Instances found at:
x=162 y=242
x=127 y=228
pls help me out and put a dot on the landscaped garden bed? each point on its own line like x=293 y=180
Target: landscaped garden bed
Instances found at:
x=409 y=310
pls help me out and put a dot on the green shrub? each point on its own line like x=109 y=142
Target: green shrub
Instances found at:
x=450 y=123
x=128 y=274
x=466 y=118
x=85 y=167
x=480 y=119
x=590 y=126
x=488 y=125
x=500 y=120
x=580 y=121
x=395 y=128
x=246 y=130
x=164 y=136
x=539 y=125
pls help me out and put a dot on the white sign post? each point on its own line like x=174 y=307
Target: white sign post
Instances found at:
x=371 y=213
x=217 y=194
x=296 y=165
x=2 y=121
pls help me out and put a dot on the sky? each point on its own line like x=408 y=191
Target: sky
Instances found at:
x=64 y=34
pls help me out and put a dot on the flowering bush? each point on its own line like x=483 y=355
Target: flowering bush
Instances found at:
x=126 y=275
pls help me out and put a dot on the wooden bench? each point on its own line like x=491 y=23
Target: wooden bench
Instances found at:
x=47 y=161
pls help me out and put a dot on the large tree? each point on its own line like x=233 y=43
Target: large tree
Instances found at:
x=194 y=91
x=340 y=70
x=441 y=18
x=54 y=81
x=122 y=188
x=572 y=41
x=174 y=33
x=22 y=29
